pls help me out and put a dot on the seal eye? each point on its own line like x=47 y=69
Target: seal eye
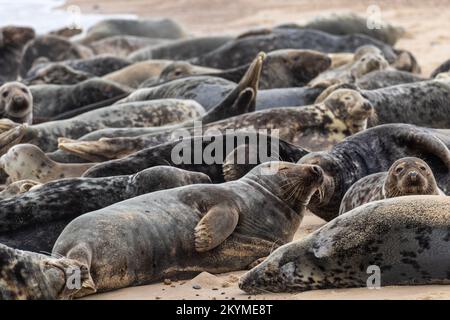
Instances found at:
x=5 y=94
x=398 y=170
x=24 y=90
x=348 y=98
x=423 y=168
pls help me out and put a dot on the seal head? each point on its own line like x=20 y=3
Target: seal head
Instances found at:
x=16 y=102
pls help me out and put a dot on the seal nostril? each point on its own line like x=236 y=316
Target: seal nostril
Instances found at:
x=316 y=170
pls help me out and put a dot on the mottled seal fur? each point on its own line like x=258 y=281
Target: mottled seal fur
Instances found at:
x=50 y=100
x=122 y=46
x=212 y=228
x=27 y=161
x=150 y=28
x=181 y=49
x=135 y=114
x=386 y=78
x=16 y=102
x=241 y=51
x=407 y=176
x=12 y=41
x=407 y=238
x=375 y=150
x=53 y=48
x=18 y=187
x=315 y=127
x=34 y=220
x=220 y=170
x=57 y=73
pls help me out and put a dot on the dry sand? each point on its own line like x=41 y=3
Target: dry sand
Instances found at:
x=427 y=24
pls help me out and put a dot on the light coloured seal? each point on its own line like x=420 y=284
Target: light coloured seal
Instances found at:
x=16 y=102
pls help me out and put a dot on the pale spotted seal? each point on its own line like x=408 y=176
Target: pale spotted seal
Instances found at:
x=16 y=102
x=34 y=220
x=407 y=176
x=406 y=239
x=213 y=228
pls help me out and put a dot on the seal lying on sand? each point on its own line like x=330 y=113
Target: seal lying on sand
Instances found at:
x=183 y=154
x=26 y=161
x=405 y=239
x=407 y=176
x=34 y=220
x=137 y=114
x=353 y=159
x=53 y=48
x=51 y=100
x=122 y=46
x=238 y=52
x=212 y=228
x=282 y=69
x=183 y=49
x=315 y=127
x=157 y=28
x=16 y=102
x=12 y=41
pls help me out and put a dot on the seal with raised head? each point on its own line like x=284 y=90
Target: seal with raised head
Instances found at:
x=240 y=51
x=353 y=159
x=16 y=102
x=53 y=48
x=315 y=127
x=46 y=209
x=406 y=238
x=282 y=69
x=212 y=228
x=183 y=49
x=406 y=177
x=27 y=161
x=135 y=114
x=12 y=41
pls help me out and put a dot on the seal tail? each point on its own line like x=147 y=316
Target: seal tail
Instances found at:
x=250 y=80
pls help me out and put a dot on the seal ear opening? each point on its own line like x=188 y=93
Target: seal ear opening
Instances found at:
x=250 y=80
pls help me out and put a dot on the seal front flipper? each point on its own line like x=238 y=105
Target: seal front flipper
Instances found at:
x=215 y=227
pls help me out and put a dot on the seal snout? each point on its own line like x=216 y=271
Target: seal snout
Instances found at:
x=317 y=172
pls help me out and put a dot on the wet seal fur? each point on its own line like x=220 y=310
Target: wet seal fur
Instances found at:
x=217 y=228
x=34 y=220
x=406 y=177
x=315 y=127
x=27 y=161
x=353 y=159
x=406 y=237
x=16 y=102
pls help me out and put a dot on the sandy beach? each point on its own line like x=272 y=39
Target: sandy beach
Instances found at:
x=427 y=24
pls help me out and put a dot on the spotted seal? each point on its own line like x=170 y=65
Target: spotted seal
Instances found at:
x=26 y=161
x=150 y=28
x=136 y=114
x=353 y=159
x=18 y=187
x=12 y=41
x=16 y=102
x=45 y=210
x=57 y=73
x=405 y=238
x=217 y=228
x=315 y=127
x=407 y=176
x=183 y=49
x=241 y=51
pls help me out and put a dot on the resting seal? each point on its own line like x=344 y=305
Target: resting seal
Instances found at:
x=407 y=238
x=57 y=73
x=34 y=220
x=12 y=41
x=240 y=51
x=407 y=176
x=16 y=102
x=26 y=161
x=136 y=114
x=386 y=78
x=353 y=159
x=18 y=187
x=212 y=228
x=315 y=127
x=122 y=46
x=183 y=49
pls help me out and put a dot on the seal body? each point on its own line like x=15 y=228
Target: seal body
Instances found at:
x=386 y=78
x=405 y=238
x=407 y=176
x=242 y=50
x=16 y=102
x=352 y=159
x=44 y=212
x=57 y=73
x=122 y=45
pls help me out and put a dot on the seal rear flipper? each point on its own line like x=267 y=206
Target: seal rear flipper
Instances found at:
x=12 y=137
x=97 y=151
x=217 y=224
x=230 y=106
